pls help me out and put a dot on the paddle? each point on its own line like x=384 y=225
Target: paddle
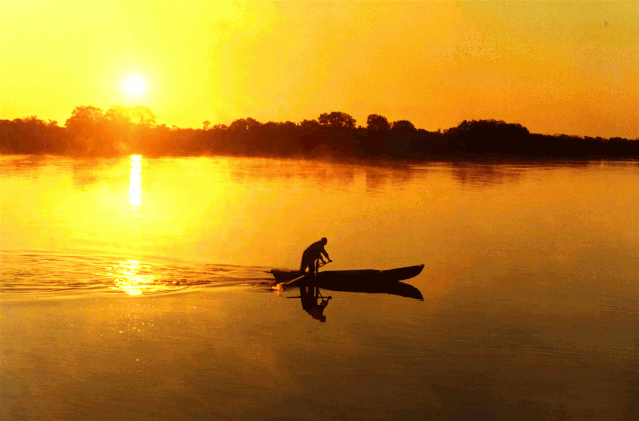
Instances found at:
x=300 y=277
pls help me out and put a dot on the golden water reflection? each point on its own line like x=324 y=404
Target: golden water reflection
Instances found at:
x=135 y=183
x=136 y=279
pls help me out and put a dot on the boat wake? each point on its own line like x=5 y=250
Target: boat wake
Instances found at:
x=39 y=274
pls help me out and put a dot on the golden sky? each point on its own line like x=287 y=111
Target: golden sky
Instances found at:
x=556 y=67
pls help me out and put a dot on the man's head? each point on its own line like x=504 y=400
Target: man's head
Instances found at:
x=324 y=240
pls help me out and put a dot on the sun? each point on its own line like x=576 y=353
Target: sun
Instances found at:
x=134 y=85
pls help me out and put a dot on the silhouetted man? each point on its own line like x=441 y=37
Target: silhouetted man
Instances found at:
x=313 y=253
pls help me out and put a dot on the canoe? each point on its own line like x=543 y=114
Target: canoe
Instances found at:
x=369 y=281
x=345 y=277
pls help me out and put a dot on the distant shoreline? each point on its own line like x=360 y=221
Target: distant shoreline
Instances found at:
x=124 y=131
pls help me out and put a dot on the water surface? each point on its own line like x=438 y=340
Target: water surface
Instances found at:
x=137 y=288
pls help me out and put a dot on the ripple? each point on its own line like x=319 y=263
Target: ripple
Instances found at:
x=40 y=274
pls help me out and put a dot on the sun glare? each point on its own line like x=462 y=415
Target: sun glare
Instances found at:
x=134 y=85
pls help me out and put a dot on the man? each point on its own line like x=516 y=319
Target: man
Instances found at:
x=313 y=253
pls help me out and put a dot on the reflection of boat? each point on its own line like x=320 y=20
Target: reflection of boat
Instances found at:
x=394 y=288
x=370 y=280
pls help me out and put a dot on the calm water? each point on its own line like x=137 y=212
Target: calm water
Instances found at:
x=138 y=289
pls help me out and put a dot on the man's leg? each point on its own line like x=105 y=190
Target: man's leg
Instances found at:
x=306 y=263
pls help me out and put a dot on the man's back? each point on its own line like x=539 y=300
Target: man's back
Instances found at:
x=316 y=248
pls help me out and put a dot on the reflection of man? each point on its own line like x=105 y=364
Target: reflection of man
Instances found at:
x=309 y=295
x=313 y=253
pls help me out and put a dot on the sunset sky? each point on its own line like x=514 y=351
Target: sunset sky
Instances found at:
x=555 y=67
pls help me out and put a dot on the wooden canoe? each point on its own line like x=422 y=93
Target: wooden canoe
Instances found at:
x=367 y=276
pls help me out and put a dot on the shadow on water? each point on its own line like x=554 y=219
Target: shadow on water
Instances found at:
x=338 y=174
x=485 y=174
x=314 y=302
x=23 y=165
x=400 y=289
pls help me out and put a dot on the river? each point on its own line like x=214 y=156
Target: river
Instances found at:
x=137 y=288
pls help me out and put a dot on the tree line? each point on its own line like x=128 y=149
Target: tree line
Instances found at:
x=121 y=130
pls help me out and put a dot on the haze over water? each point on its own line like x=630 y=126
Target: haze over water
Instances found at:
x=136 y=288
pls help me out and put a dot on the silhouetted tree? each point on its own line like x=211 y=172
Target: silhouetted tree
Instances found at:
x=142 y=115
x=89 y=132
x=402 y=126
x=311 y=126
x=241 y=138
x=244 y=124
x=309 y=135
x=337 y=120
x=122 y=130
x=33 y=136
x=378 y=123
x=119 y=127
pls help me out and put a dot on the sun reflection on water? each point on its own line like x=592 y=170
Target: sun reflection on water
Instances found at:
x=133 y=278
x=135 y=183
